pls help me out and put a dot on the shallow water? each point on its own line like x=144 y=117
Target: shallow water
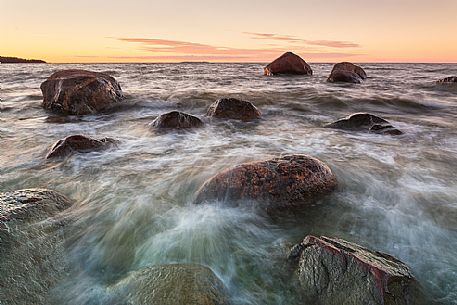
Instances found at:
x=396 y=194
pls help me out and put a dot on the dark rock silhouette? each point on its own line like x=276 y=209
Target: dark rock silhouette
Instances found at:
x=288 y=181
x=448 y=80
x=175 y=284
x=17 y=60
x=80 y=92
x=288 y=63
x=231 y=108
x=177 y=120
x=365 y=122
x=333 y=272
x=347 y=72
x=78 y=143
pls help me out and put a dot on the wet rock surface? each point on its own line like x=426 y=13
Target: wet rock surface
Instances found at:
x=79 y=92
x=32 y=252
x=448 y=80
x=365 y=122
x=175 y=284
x=349 y=67
x=80 y=144
x=288 y=181
x=232 y=108
x=177 y=120
x=288 y=64
x=332 y=271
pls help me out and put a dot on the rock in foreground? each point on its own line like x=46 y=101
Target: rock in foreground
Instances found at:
x=80 y=92
x=232 y=108
x=32 y=252
x=365 y=122
x=347 y=72
x=448 y=80
x=289 y=181
x=288 y=63
x=178 y=120
x=78 y=143
x=30 y=204
x=334 y=272
x=177 y=284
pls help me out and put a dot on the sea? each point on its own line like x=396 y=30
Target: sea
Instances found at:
x=134 y=204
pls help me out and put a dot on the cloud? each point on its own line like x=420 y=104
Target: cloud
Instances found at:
x=293 y=39
x=176 y=50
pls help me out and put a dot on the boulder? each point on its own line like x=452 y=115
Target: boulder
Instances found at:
x=365 y=122
x=288 y=181
x=30 y=204
x=32 y=251
x=232 y=108
x=80 y=92
x=448 y=80
x=288 y=63
x=78 y=143
x=346 y=72
x=176 y=284
x=332 y=271
x=176 y=119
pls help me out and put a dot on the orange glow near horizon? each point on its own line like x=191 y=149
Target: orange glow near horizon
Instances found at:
x=240 y=31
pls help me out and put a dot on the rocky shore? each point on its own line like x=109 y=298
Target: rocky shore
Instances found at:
x=329 y=270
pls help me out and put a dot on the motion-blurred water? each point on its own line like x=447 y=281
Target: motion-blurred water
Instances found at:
x=396 y=194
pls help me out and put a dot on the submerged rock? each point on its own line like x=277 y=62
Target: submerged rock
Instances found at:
x=80 y=92
x=365 y=122
x=288 y=181
x=30 y=204
x=78 y=143
x=176 y=284
x=288 y=63
x=334 y=272
x=176 y=119
x=232 y=108
x=32 y=252
x=448 y=80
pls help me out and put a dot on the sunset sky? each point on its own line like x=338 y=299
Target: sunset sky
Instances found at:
x=226 y=31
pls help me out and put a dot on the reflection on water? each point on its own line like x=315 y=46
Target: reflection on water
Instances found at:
x=396 y=194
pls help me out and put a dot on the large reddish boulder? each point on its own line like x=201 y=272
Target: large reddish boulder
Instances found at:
x=365 y=122
x=232 y=108
x=288 y=181
x=332 y=271
x=288 y=63
x=177 y=120
x=78 y=143
x=347 y=72
x=80 y=92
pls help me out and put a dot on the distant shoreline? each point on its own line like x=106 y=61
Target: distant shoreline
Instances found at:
x=17 y=60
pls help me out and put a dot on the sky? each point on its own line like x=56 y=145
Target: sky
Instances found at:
x=65 y=31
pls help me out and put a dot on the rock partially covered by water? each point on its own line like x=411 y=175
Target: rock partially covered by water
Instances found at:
x=288 y=63
x=448 y=80
x=32 y=252
x=232 y=108
x=288 y=181
x=333 y=272
x=365 y=122
x=347 y=72
x=80 y=92
x=30 y=204
x=78 y=143
x=176 y=284
x=178 y=120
